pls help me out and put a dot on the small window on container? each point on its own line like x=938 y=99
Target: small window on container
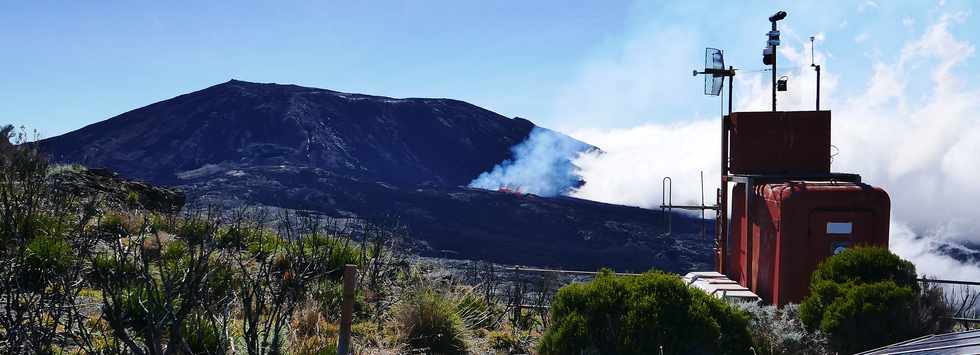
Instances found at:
x=839 y=228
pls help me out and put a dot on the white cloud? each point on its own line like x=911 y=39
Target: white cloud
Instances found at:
x=919 y=142
x=637 y=159
x=922 y=251
x=631 y=84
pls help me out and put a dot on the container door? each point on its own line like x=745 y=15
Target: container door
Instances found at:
x=832 y=232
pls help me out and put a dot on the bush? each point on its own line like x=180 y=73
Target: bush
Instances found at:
x=867 y=265
x=311 y=334
x=140 y=309
x=866 y=316
x=108 y=269
x=502 y=340
x=863 y=298
x=203 y=336
x=429 y=320
x=472 y=308
x=642 y=315
x=779 y=331
x=45 y=258
x=341 y=252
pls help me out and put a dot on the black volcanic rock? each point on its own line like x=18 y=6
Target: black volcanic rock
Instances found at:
x=399 y=141
x=115 y=190
x=349 y=155
x=469 y=223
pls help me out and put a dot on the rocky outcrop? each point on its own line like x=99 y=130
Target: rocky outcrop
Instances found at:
x=116 y=191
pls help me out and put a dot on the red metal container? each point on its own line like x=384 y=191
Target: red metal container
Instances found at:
x=783 y=142
x=791 y=226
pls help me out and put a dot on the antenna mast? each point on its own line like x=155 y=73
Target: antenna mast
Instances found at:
x=817 y=68
x=714 y=80
x=769 y=54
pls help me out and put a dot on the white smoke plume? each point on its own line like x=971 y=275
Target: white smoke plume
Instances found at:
x=923 y=147
x=541 y=165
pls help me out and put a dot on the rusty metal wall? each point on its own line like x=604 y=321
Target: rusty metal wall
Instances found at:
x=780 y=142
x=788 y=236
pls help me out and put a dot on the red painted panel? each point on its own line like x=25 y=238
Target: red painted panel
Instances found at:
x=780 y=142
x=787 y=232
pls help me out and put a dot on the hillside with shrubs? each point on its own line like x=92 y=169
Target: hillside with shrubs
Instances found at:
x=92 y=263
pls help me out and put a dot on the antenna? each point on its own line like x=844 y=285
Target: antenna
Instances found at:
x=816 y=68
x=811 y=50
x=715 y=74
x=714 y=64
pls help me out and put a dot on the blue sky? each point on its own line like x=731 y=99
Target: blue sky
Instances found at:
x=69 y=64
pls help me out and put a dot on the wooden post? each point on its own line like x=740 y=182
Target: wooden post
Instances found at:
x=346 y=313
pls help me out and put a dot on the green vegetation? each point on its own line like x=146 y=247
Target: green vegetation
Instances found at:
x=429 y=320
x=643 y=314
x=779 y=331
x=81 y=275
x=864 y=298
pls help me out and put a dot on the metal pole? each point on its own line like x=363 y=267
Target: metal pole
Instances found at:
x=731 y=79
x=747 y=232
x=346 y=313
x=773 y=70
x=818 y=86
x=723 y=198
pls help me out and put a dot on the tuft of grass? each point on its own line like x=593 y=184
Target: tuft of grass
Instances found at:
x=428 y=321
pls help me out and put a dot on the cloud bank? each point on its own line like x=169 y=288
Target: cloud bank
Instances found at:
x=922 y=146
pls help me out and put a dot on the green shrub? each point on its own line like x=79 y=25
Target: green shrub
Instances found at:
x=328 y=294
x=194 y=231
x=336 y=252
x=107 y=269
x=863 y=298
x=642 y=315
x=502 y=340
x=175 y=257
x=113 y=226
x=203 y=336
x=44 y=259
x=428 y=320
x=141 y=309
x=867 y=265
x=866 y=316
x=472 y=308
x=133 y=199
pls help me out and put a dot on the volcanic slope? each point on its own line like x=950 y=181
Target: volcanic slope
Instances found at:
x=369 y=157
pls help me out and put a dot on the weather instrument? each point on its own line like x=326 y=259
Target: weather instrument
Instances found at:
x=781 y=83
x=776 y=185
x=769 y=53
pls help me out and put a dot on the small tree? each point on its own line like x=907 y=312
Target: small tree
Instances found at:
x=864 y=298
x=643 y=314
x=41 y=250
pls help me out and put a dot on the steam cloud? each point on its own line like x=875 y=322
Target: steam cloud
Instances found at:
x=541 y=165
x=922 y=147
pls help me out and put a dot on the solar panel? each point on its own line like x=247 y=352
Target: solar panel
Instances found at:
x=941 y=344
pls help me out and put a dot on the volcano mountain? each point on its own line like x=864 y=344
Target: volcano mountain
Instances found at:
x=368 y=157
